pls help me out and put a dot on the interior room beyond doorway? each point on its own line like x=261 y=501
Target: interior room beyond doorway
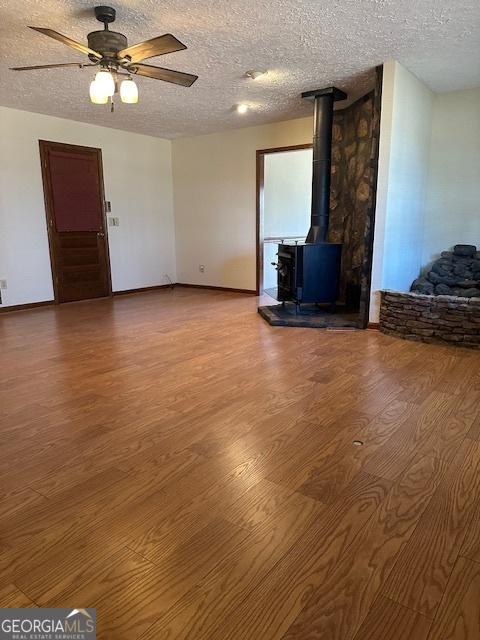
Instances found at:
x=287 y=197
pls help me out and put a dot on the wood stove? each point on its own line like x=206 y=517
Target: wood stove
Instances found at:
x=310 y=271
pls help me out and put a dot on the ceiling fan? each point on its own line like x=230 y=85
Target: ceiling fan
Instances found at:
x=110 y=51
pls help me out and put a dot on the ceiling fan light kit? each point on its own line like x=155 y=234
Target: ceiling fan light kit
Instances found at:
x=111 y=52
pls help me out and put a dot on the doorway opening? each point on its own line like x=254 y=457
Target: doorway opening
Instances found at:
x=77 y=231
x=286 y=192
x=284 y=180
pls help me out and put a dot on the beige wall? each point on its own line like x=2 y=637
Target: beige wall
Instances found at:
x=138 y=182
x=214 y=199
x=452 y=213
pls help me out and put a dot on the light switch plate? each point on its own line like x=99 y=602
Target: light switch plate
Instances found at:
x=3 y=284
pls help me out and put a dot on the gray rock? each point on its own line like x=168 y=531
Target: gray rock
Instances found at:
x=467 y=250
x=422 y=285
x=434 y=277
x=443 y=290
x=450 y=281
x=441 y=268
x=462 y=270
x=462 y=261
x=471 y=293
x=445 y=262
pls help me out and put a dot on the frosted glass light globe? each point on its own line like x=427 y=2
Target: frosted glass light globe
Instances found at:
x=105 y=82
x=129 y=91
x=97 y=95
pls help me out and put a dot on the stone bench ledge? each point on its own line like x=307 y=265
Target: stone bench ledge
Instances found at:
x=431 y=318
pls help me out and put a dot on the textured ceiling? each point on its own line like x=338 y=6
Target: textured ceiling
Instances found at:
x=304 y=43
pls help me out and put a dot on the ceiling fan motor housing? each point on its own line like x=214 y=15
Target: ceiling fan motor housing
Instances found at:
x=105 y=14
x=108 y=43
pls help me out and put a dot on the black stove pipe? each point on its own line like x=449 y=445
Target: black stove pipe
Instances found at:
x=322 y=160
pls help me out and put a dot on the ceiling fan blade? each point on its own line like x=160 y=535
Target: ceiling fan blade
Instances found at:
x=177 y=77
x=150 y=48
x=68 y=41
x=52 y=66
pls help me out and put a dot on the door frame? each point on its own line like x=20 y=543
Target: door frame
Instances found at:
x=45 y=145
x=260 y=203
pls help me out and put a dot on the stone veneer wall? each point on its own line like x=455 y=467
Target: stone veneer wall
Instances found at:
x=445 y=319
x=351 y=187
x=366 y=271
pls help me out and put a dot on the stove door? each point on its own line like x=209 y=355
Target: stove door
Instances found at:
x=287 y=272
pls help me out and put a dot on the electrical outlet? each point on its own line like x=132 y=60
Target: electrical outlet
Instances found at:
x=3 y=284
x=113 y=222
x=201 y=268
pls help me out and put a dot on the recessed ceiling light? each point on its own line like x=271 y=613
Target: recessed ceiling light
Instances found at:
x=255 y=73
x=242 y=108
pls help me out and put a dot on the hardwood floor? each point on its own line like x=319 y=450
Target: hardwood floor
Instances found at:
x=188 y=470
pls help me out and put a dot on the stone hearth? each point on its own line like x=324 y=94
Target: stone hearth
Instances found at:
x=309 y=315
x=455 y=273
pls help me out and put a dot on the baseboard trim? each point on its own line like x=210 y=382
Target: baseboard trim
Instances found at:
x=373 y=325
x=125 y=292
x=28 y=305
x=208 y=286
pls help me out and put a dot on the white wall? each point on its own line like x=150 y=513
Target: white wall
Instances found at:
x=287 y=194
x=404 y=154
x=138 y=182
x=287 y=197
x=452 y=213
x=214 y=180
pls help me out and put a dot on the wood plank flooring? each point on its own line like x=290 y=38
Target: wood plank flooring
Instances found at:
x=188 y=470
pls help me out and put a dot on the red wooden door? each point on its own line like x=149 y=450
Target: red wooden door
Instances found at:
x=74 y=203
